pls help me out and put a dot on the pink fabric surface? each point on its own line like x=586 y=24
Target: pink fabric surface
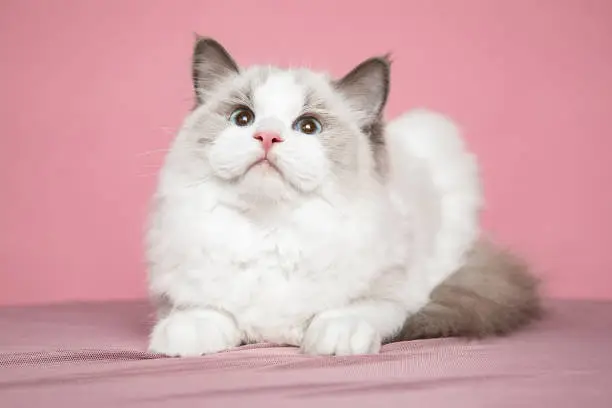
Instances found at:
x=94 y=355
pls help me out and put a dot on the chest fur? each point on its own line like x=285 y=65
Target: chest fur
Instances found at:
x=271 y=273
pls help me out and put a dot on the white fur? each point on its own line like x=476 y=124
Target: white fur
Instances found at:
x=194 y=332
x=302 y=259
x=435 y=181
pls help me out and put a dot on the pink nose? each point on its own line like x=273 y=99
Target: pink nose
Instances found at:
x=267 y=139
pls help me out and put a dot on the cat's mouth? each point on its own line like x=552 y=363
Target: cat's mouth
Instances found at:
x=265 y=164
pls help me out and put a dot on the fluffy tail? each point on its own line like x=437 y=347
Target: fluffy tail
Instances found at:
x=494 y=293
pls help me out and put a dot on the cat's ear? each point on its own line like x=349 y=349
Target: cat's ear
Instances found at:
x=366 y=87
x=211 y=64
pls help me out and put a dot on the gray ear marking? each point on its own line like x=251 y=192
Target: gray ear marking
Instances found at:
x=210 y=64
x=367 y=86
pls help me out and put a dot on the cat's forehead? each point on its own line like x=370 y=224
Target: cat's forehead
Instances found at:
x=276 y=91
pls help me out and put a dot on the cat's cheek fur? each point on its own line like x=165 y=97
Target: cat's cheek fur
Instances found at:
x=231 y=154
x=302 y=162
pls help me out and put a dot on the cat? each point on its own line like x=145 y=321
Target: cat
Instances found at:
x=287 y=211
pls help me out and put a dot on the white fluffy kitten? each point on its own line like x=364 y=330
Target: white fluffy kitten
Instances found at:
x=287 y=212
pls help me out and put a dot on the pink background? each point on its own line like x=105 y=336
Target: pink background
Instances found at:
x=91 y=92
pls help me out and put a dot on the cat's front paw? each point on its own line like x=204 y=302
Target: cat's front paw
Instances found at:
x=194 y=333
x=340 y=335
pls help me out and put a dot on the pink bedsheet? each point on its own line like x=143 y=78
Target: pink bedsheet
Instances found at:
x=86 y=355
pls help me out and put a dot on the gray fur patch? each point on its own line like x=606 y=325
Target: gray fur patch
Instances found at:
x=494 y=293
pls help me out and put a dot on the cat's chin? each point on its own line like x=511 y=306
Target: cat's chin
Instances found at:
x=265 y=180
x=265 y=168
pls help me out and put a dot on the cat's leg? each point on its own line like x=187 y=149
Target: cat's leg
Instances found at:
x=194 y=332
x=359 y=328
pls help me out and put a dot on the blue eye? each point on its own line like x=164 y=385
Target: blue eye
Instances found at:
x=307 y=125
x=242 y=116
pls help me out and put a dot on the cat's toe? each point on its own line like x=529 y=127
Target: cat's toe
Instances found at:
x=193 y=333
x=341 y=336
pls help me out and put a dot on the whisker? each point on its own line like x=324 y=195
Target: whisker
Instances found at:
x=198 y=182
x=152 y=152
x=168 y=130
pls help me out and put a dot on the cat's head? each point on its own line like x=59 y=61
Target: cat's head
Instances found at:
x=283 y=133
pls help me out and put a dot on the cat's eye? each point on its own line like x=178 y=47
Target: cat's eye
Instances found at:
x=242 y=116
x=307 y=125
